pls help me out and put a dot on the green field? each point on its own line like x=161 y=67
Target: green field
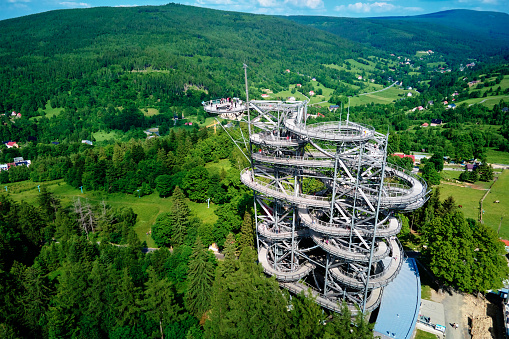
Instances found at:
x=497 y=157
x=384 y=97
x=148 y=112
x=420 y=334
x=147 y=208
x=504 y=84
x=52 y=112
x=495 y=211
x=103 y=136
x=48 y=112
x=465 y=196
x=469 y=198
x=488 y=101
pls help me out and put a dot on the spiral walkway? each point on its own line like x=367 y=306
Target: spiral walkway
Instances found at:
x=325 y=203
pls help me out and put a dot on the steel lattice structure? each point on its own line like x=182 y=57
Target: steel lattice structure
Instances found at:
x=325 y=199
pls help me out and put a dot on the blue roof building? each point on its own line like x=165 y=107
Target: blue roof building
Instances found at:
x=400 y=304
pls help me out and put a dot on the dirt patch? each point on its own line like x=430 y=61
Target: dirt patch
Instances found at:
x=477 y=187
x=478 y=317
x=459 y=184
x=483 y=317
x=437 y=296
x=464 y=185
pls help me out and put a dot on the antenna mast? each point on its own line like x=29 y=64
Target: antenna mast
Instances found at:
x=247 y=100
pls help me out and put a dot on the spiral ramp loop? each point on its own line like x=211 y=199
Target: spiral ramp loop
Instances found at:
x=325 y=202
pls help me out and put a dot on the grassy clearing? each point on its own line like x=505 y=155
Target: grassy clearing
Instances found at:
x=287 y=94
x=208 y=120
x=497 y=157
x=425 y=292
x=48 y=112
x=488 y=101
x=495 y=214
x=52 y=112
x=450 y=175
x=148 y=112
x=504 y=84
x=494 y=211
x=420 y=334
x=103 y=135
x=147 y=208
x=384 y=97
x=465 y=196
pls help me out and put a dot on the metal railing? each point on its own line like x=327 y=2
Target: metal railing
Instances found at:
x=356 y=280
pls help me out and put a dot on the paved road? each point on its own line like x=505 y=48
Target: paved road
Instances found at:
x=219 y=256
x=453 y=302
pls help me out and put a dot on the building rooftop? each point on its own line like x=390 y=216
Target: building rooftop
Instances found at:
x=400 y=304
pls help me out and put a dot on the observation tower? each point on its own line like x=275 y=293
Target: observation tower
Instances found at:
x=325 y=200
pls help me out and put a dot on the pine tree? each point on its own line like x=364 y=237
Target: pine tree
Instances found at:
x=179 y=214
x=127 y=295
x=341 y=326
x=200 y=278
x=218 y=323
x=247 y=232
x=100 y=295
x=159 y=303
x=247 y=294
x=306 y=318
x=49 y=203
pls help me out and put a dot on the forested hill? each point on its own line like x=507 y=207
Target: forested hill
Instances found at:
x=492 y=24
x=456 y=34
x=194 y=46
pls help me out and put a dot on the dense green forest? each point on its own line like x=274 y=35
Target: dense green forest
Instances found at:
x=456 y=34
x=78 y=269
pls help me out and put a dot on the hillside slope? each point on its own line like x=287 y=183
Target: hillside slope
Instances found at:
x=456 y=39
x=491 y=24
x=194 y=45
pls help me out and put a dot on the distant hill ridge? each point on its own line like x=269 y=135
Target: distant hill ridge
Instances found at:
x=454 y=33
x=493 y=24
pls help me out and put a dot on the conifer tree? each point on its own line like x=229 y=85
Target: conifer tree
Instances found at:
x=100 y=295
x=247 y=232
x=127 y=296
x=306 y=318
x=159 y=303
x=200 y=278
x=179 y=214
x=247 y=294
x=217 y=325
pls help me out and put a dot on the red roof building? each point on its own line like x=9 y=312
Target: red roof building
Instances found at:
x=506 y=242
x=403 y=155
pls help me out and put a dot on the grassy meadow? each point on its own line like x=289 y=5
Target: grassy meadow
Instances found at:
x=497 y=157
x=493 y=212
x=469 y=196
x=147 y=208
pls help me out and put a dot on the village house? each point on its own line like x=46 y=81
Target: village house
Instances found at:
x=403 y=155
